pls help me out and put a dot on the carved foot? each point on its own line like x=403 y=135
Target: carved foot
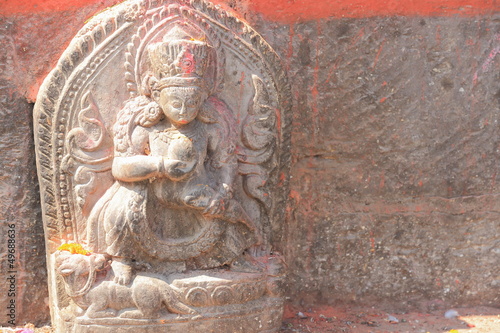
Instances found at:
x=123 y=271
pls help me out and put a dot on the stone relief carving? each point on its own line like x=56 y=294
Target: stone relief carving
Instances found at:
x=162 y=147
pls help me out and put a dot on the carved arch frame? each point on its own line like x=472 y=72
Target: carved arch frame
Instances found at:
x=94 y=46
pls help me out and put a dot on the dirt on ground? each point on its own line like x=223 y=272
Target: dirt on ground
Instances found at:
x=373 y=320
x=326 y=319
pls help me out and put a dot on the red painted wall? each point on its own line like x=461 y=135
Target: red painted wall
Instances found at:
x=288 y=11
x=282 y=11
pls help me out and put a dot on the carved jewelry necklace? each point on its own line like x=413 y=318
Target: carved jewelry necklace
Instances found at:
x=192 y=131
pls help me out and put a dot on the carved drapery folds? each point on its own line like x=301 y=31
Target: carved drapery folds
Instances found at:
x=162 y=146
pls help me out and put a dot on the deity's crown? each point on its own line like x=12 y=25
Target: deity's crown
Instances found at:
x=182 y=58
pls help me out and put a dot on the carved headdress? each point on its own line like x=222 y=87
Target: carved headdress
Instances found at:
x=182 y=58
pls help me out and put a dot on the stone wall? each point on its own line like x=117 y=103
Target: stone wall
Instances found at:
x=394 y=193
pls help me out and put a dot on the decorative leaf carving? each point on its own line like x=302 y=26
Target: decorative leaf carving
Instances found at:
x=87 y=153
x=258 y=135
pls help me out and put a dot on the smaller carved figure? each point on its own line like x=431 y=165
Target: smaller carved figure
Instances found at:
x=145 y=297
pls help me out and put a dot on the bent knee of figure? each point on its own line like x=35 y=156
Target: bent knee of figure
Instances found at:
x=198 y=196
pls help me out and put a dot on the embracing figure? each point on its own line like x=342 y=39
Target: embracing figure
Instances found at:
x=174 y=164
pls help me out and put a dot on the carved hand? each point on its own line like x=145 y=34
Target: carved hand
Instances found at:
x=175 y=169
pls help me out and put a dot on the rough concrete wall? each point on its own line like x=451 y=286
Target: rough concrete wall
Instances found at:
x=22 y=255
x=394 y=195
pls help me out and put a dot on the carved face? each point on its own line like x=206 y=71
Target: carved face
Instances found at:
x=181 y=104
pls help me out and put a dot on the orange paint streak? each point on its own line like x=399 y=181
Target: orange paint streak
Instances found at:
x=378 y=54
x=358 y=37
x=10 y=7
x=287 y=11
x=298 y=10
x=382 y=181
x=295 y=195
x=314 y=90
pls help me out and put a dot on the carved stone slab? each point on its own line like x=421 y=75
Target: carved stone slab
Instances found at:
x=163 y=150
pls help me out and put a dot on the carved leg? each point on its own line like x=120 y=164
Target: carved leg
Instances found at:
x=146 y=299
x=98 y=309
x=122 y=268
x=199 y=198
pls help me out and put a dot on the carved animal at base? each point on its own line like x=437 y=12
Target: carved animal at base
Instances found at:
x=145 y=297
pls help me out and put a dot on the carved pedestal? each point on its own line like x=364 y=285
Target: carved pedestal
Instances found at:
x=224 y=302
x=162 y=147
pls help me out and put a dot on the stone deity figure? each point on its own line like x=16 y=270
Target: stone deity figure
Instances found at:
x=162 y=139
x=174 y=163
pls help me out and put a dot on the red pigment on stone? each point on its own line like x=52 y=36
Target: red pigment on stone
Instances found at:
x=287 y=11
x=10 y=7
x=291 y=11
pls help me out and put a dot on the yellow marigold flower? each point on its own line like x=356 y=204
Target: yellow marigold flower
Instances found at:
x=74 y=248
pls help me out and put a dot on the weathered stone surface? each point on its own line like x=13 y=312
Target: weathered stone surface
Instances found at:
x=22 y=254
x=395 y=156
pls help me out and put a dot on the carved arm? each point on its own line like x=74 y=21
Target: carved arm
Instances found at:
x=136 y=168
x=142 y=167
